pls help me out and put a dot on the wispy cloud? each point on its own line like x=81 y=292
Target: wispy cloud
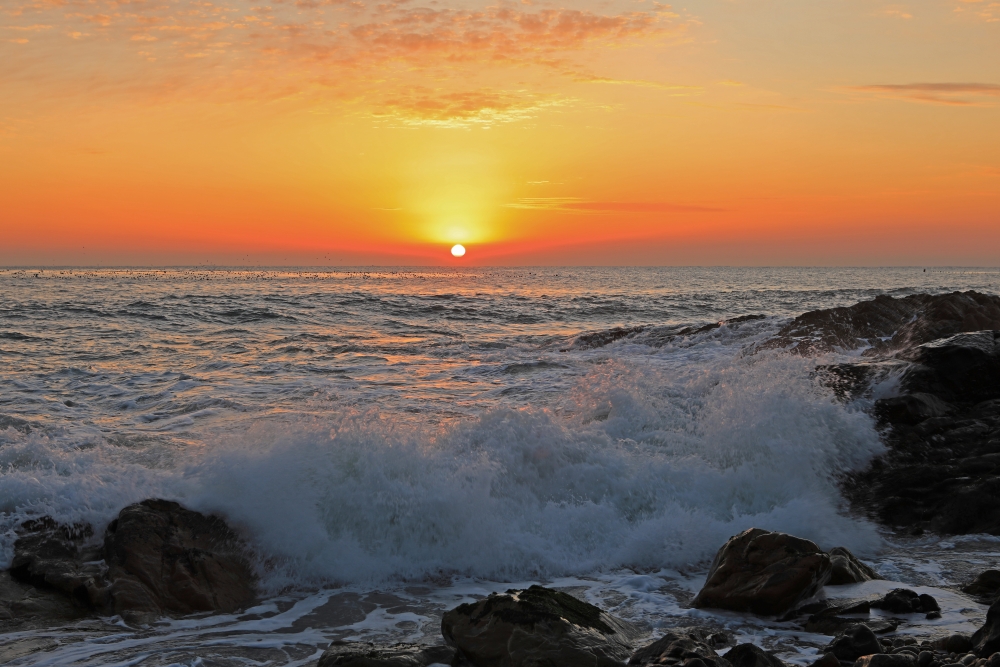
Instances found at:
x=952 y=94
x=483 y=108
x=576 y=205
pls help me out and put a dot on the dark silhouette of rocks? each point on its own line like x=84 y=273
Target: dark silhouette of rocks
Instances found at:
x=847 y=569
x=751 y=655
x=986 y=640
x=986 y=586
x=156 y=558
x=854 y=642
x=537 y=626
x=765 y=573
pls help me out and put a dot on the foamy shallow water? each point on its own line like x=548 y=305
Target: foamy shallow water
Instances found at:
x=368 y=432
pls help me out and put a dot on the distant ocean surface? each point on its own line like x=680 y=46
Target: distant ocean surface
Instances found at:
x=378 y=427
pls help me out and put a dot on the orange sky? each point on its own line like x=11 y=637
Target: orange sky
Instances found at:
x=534 y=132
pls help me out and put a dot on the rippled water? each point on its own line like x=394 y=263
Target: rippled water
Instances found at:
x=382 y=429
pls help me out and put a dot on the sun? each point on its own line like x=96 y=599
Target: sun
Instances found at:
x=458 y=250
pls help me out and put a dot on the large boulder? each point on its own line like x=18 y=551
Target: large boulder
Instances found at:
x=854 y=642
x=537 y=627
x=751 y=655
x=163 y=558
x=905 y=601
x=678 y=648
x=986 y=640
x=847 y=569
x=985 y=586
x=963 y=368
x=156 y=558
x=365 y=654
x=764 y=573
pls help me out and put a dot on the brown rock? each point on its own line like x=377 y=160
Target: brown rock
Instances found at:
x=52 y=556
x=765 y=573
x=164 y=558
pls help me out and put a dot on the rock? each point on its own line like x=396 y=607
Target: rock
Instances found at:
x=854 y=642
x=678 y=648
x=750 y=655
x=986 y=640
x=954 y=644
x=164 y=558
x=847 y=569
x=959 y=369
x=23 y=604
x=905 y=601
x=985 y=586
x=537 y=626
x=364 y=654
x=765 y=573
x=826 y=660
x=49 y=555
x=886 y=660
x=912 y=408
x=925 y=658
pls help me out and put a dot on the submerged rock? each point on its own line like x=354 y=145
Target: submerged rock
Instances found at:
x=537 y=627
x=365 y=654
x=765 y=573
x=905 y=601
x=679 y=648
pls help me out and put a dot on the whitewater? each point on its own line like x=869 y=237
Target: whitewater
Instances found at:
x=391 y=442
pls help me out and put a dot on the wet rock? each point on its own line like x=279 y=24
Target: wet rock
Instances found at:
x=765 y=573
x=750 y=655
x=854 y=642
x=985 y=586
x=925 y=658
x=886 y=660
x=364 y=654
x=986 y=640
x=163 y=558
x=959 y=369
x=678 y=648
x=537 y=626
x=25 y=604
x=905 y=601
x=847 y=569
x=57 y=557
x=912 y=408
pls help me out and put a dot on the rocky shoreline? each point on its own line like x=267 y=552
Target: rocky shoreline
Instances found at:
x=929 y=366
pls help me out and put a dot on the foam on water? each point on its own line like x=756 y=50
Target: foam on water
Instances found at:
x=645 y=463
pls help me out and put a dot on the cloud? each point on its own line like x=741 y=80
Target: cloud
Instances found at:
x=575 y=205
x=952 y=94
x=987 y=11
x=483 y=108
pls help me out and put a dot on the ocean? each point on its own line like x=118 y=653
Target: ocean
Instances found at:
x=393 y=441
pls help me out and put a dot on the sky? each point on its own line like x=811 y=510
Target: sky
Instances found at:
x=534 y=132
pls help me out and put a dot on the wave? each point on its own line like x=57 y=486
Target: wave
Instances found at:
x=640 y=465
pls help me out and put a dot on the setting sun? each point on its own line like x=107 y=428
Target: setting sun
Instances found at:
x=458 y=250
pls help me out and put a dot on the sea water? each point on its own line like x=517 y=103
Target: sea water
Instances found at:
x=391 y=442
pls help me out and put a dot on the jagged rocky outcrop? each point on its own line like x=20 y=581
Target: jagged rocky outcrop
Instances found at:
x=941 y=425
x=535 y=627
x=156 y=558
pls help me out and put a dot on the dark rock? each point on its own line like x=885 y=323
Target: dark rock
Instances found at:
x=960 y=369
x=750 y=655
x=832 y=625
x=537 y=626
x=911 y=408
x=886 y=660
x=764 y=573
x=826 y=660
x=905 y=601
x=25 y=604
x=49 y=555
x=364 y=654
x=925 y=658
x=854 y=642
x=954 y=644
x=985 y=586
x=165 y=558
x=847 y=569
x=986 y=640
x=678 y=648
